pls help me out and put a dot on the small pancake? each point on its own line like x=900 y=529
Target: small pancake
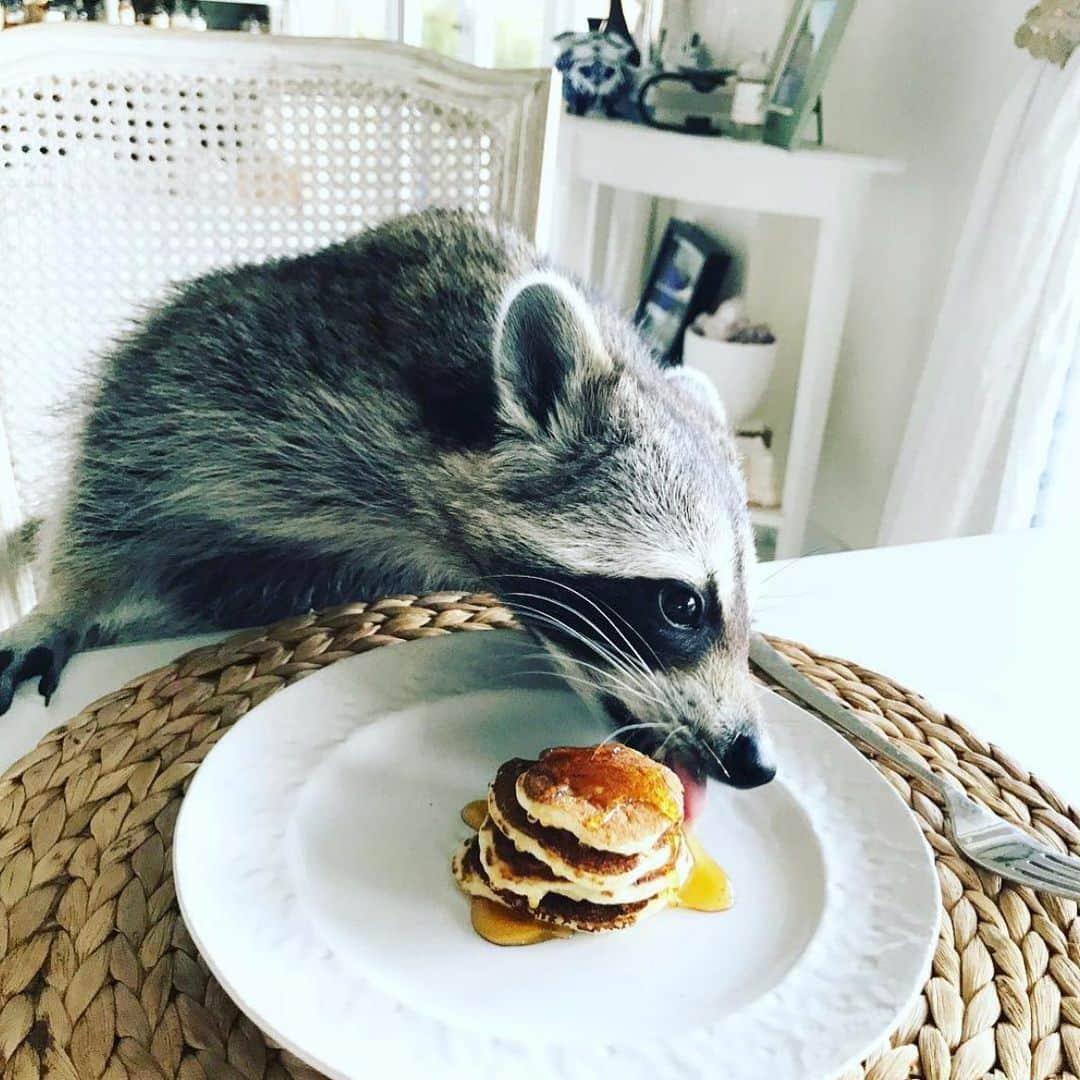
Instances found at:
x=557 y=910
x=567 y=856
x=609 y=796
x=520 y=873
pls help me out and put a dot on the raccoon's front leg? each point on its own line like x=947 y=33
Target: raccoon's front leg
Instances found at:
x=37 y=646
x=82 y=600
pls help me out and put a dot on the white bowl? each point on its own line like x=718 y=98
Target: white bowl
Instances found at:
x=739 y=372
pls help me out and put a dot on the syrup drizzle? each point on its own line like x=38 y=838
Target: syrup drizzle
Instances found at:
x=706 y=888
x=503 y=926
x=473 y=813
x=609 y=776
x=494 y=922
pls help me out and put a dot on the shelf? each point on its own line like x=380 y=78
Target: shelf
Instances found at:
x=769 y=517
x=597 y=158
x=713 y=170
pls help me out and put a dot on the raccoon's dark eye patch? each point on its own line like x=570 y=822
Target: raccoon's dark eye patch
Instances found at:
x=661 y=622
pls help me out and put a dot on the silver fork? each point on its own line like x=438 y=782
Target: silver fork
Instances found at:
x=978 y=835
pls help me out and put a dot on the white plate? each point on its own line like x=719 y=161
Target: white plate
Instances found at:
x=312 y=863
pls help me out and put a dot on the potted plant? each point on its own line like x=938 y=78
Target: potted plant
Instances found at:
x=737 y=356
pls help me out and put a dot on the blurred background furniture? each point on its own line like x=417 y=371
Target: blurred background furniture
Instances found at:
x=597 y=158
x=129 y=160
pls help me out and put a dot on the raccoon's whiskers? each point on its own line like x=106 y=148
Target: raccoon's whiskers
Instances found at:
x=553 y=620
x=677 y=730
x=610 y=680
x=577 y=635
x=629 y=727
x=607 y=676
x=618 y=655
x=604 y=610
x=575 y=679
x=716 y=758
x=611 y=615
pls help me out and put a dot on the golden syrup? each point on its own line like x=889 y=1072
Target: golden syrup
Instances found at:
x=504 y=926
x=473 y=813
x=608 y=775
x=706 y=887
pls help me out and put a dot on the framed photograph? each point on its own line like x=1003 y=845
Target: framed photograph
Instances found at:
x=686 y=278
x=810 y=40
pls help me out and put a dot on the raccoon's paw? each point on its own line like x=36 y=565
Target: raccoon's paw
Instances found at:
x=25 y=656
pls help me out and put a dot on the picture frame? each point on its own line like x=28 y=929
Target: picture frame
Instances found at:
x=686 y=278
x=811 y=37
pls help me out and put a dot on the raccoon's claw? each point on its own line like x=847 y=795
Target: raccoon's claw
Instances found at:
x=7 y=680
x=57 y=655
x=45 y=659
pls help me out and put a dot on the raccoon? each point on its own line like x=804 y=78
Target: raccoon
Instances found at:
x=429 y=405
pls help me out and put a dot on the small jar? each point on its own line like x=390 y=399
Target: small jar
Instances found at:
x=12 y=13
x=748 y=104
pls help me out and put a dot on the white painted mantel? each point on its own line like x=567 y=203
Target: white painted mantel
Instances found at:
x=597 y=157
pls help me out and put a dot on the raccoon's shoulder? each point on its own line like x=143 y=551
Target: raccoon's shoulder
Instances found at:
x=429 y=288
x=406 y=307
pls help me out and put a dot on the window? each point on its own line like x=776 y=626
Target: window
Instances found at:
x=1058 y=499
x=340 y=18
x=491 y=33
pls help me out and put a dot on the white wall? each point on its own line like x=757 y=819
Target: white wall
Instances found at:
x=920 y=80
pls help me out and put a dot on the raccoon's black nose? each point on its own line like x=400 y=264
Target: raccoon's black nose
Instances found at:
x=746 y=763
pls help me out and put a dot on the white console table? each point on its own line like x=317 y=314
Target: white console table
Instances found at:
x=595 y=157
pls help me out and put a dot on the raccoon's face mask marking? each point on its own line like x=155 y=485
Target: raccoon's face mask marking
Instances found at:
x=657 y=655
x=616 y=526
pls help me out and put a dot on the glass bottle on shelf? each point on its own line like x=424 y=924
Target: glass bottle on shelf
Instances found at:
x=12 y=13
x=615 y=23
x=159 y=17
x=179 y=19
x=55 y=11
x=750 y=100
x=196 y=19
x=126 y=13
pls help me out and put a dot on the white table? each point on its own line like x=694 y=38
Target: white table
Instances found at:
x=983 y=628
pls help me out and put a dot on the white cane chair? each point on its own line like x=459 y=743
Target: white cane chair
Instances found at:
x=132 y=158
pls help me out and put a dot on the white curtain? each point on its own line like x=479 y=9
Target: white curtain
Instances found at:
x=990 y=427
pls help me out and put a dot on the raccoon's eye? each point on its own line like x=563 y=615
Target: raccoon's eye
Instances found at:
x=682 y=606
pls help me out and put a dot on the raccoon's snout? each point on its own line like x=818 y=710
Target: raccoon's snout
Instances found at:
x=747 y=763
x=740 y=759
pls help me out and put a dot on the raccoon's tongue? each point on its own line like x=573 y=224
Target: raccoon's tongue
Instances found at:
x=693 y=782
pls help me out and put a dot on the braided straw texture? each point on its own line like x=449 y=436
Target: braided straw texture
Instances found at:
x=98 y=977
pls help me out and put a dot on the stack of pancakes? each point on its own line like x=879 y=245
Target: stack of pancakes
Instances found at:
x=588 y=838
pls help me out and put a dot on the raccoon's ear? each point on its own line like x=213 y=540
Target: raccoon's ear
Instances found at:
x=697 y=385
x=546 y=342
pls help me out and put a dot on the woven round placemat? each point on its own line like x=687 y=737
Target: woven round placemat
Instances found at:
x=99 y=978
